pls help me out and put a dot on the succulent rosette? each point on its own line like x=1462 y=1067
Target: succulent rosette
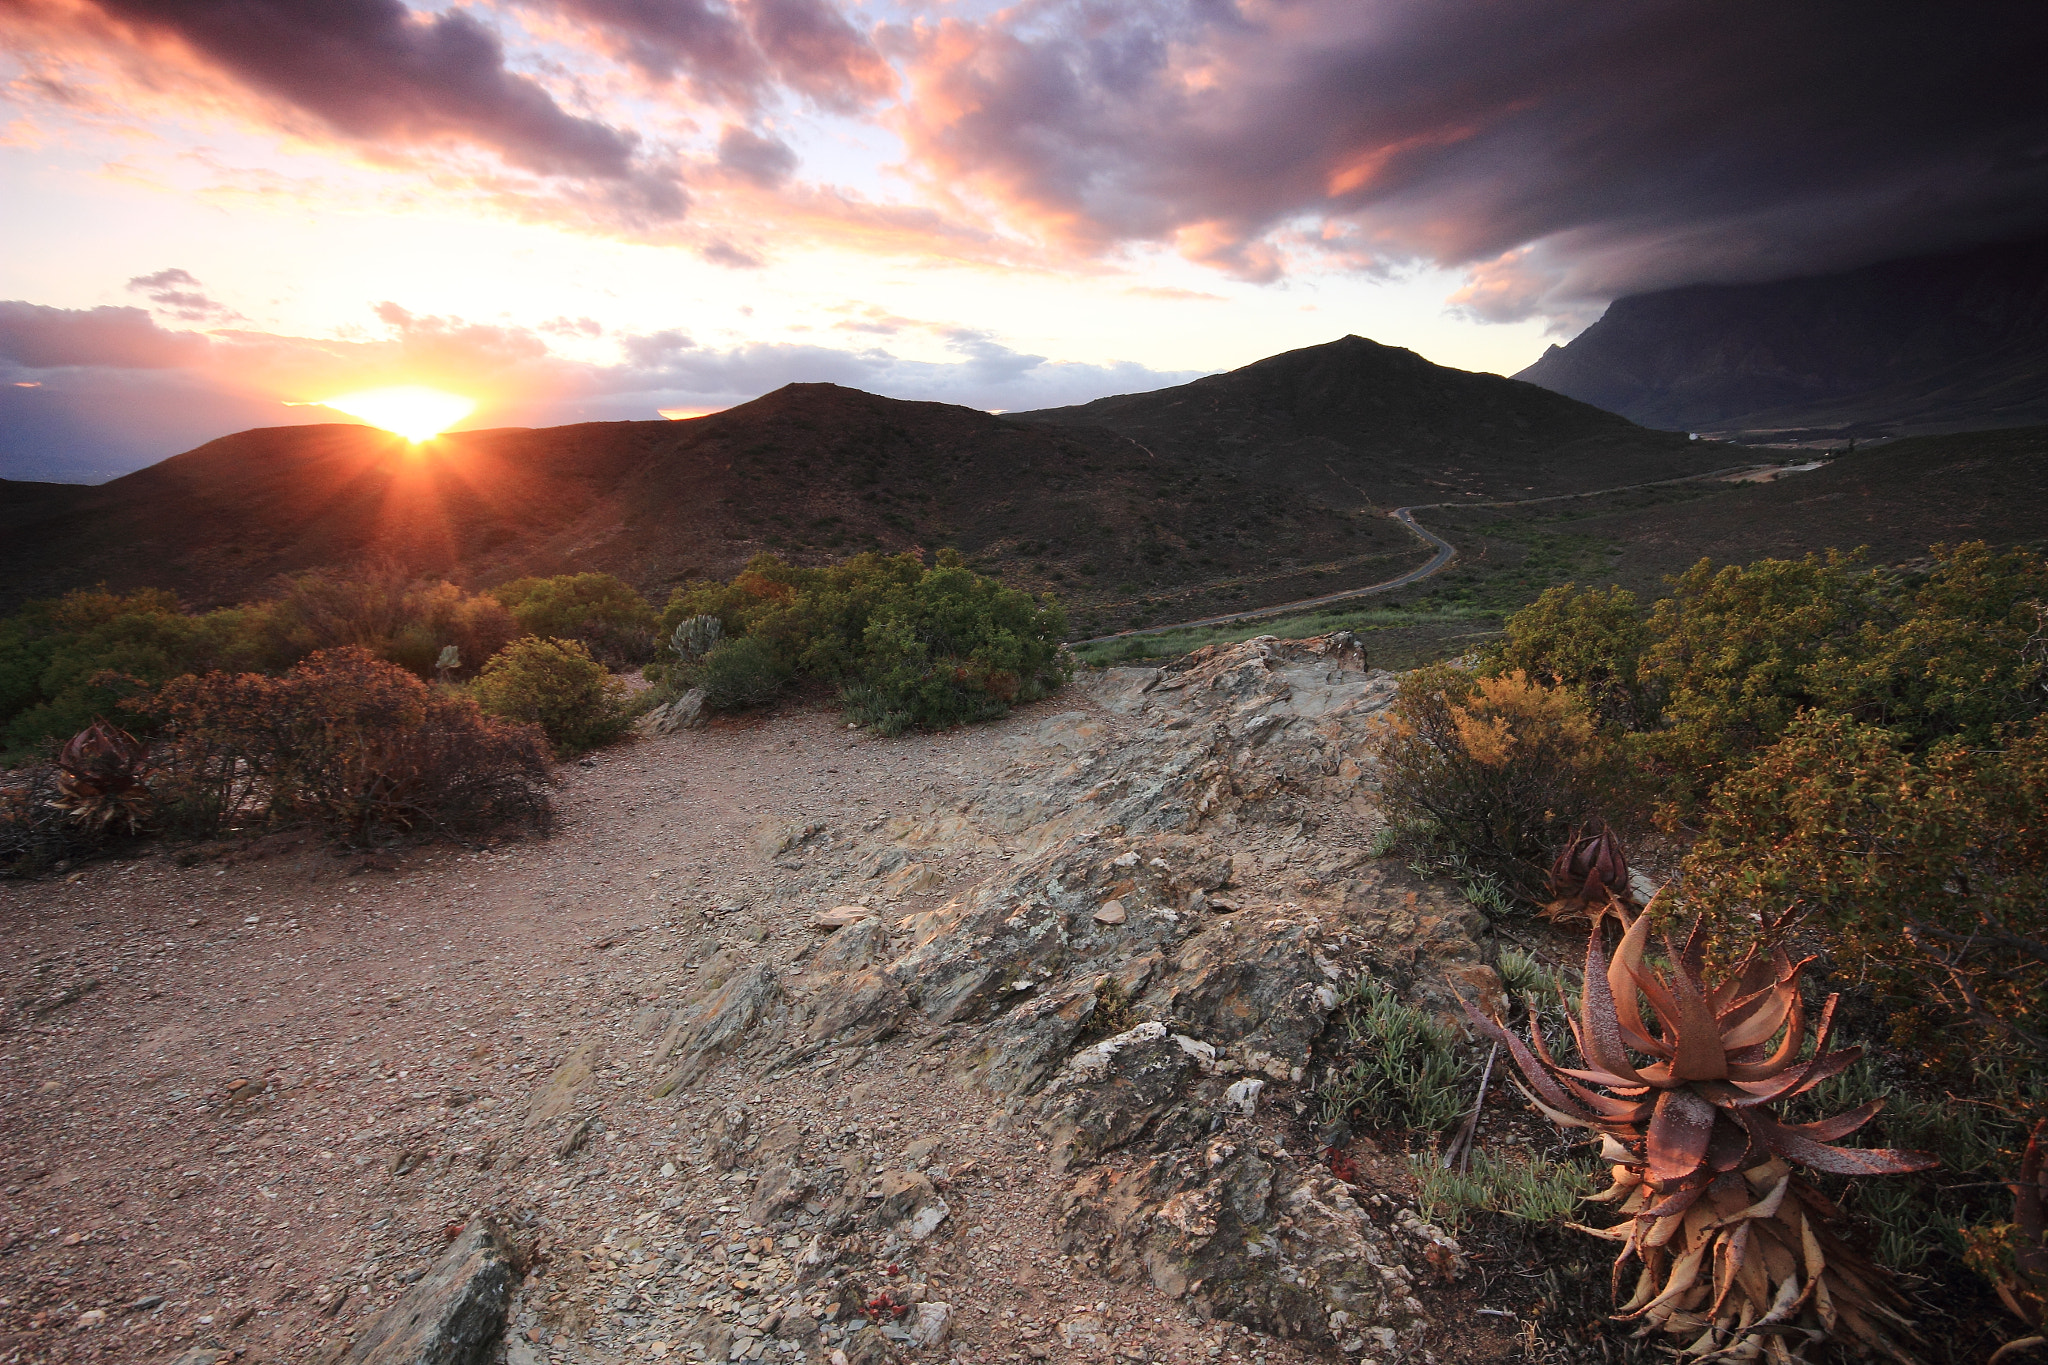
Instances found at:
x=1733 y=1249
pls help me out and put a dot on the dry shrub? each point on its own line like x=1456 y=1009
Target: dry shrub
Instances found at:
x=1498 y=770
x=348 y=741
x=389 y=613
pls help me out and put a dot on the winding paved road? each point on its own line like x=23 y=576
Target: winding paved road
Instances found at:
x=1445 y=553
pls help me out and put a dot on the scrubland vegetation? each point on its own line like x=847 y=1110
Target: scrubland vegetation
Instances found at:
x=905 y=646
x=1832 y=761
x=376 y=705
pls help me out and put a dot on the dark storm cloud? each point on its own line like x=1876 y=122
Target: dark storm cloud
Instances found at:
x=374 y=71
x=1638 y=145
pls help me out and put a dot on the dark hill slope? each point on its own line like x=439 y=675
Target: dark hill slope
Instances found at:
x=1896 y=500
x=1263 y=486
x=1936 y=343
x=1385 y=423
x=813 y=471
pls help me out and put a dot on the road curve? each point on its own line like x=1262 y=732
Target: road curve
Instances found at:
x=1445 y=553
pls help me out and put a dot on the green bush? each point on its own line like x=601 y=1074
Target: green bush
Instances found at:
x=556 y=685
x=602 y=612
x=64 y=662
x=1930 y=871
x=1589 y=642
x=386 y=611
x=741 y=673
x=906 y=646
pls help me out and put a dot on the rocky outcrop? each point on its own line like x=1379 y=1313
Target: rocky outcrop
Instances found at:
x=1244 y=1233
x=1185 y=890
x=454 y=1315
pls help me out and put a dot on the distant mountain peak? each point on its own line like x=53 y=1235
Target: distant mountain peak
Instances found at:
x=1928 y=344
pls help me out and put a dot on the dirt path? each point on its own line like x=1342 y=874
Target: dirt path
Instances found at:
x=247 y=1098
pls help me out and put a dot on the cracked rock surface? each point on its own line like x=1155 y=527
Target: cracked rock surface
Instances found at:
x=792 y=1044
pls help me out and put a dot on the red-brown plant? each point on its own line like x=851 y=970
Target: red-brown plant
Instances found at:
x=1734 y=1249
x=100 y=779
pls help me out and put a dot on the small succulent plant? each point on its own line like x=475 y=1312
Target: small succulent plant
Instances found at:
x=99 y=779
x=2015 y=1256
x=696 y=636
x=1589 y=879
x=1733 y=1249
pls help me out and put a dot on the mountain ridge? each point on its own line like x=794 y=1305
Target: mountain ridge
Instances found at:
x=1927 y=344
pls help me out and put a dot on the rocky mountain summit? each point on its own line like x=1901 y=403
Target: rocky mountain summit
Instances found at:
x=1000 y=1045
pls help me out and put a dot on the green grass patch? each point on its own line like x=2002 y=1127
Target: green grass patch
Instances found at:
x=1172 y=644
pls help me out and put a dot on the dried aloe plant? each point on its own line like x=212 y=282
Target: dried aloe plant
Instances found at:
x=1589 y=879
x=99 y=779
x=1733 y=1247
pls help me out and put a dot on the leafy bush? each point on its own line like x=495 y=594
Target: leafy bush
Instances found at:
x=1931 y=870
x=1587 y=641
x=742 y=673
x=67 y=661
x=906 y=645
x=601 y=612
x=348 y=741
x=556 y=685
x=1497 y=770
x=389 y=613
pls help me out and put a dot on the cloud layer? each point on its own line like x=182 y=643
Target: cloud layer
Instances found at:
x=1563 y=153
x=1568 y=152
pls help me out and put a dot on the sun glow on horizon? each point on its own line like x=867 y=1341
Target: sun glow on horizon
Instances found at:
x=409 y=410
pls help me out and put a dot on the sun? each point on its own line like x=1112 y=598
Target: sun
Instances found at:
x=411 y=411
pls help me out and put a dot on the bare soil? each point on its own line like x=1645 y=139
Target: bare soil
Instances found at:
x=253 y=1089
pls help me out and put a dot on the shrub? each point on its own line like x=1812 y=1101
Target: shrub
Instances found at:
x=954 y=648
x=1932 y=870
x=556 y=685
x=602 y=612
x=389 y=613
x=348 y=741
x=1495 y=770
x=1731 y=651
x=1589 y=642
x=741 y=673
x=64 y=663
x=906 y=645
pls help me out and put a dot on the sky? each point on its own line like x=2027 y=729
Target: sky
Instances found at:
x=214 y=213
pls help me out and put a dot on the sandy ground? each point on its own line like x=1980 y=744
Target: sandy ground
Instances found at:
x=250 y=1095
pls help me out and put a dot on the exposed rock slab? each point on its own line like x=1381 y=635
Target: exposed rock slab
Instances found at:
x=455 y=1313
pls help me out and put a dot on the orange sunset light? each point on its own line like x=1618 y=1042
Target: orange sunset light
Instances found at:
x=411 y=411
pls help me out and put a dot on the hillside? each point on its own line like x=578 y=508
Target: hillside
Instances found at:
x=1254 y=491
x=1932 y=344
x=1396 y=427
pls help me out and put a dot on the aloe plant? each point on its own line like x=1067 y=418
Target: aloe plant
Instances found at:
x=1734 y=1249
x=99 y=779
x=696 y=636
